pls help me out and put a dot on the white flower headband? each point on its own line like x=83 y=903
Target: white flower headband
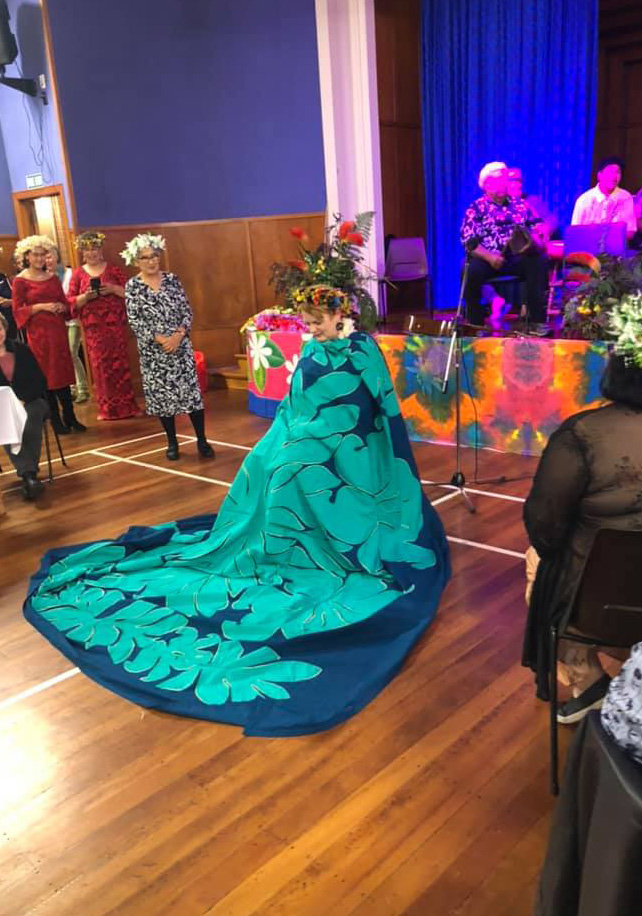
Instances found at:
x=131 y=251
x=31 y=242
x=625 y=322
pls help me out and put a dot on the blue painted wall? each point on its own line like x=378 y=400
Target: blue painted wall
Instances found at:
x=180 y=110
x=29 y=128
x=7 y=220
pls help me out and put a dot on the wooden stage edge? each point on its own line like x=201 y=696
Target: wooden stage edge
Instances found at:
x=433 y=800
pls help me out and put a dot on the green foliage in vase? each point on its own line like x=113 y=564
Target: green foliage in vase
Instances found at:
x=333 y=273
x=587 y=312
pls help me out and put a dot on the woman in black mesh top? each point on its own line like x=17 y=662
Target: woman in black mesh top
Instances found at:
x=589 y=477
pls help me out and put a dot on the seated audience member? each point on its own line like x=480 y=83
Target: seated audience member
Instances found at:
x=491 y=232
x=548 y=226
x=622 y=706
x=20 y=370
x=606 y=202
x=589 y=477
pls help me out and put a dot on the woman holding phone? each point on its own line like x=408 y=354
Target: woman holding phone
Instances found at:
x=97 y=296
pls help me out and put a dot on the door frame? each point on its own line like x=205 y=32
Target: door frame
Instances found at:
x=54 y=190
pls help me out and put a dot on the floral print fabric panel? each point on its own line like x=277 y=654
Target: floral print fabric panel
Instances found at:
x=288 y=612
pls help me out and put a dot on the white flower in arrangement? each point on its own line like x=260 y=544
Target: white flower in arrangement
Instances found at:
x=625 y=323
x=259 y=351
x=131 y=251
x=290 y=365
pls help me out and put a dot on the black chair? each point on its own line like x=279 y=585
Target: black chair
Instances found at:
x=45 y=431
x=407 y=281
x=606 y=609
x=46 y=424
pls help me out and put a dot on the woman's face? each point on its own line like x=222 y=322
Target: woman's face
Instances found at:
x=148 y=261
x=36 y=258
x=51 y=261
x=323 y=326
x=93 y=255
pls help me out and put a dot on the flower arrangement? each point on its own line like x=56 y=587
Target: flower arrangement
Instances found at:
x=625 y=323
x=277 y=318
x=587 y=312
x=132 y=250
x=332 y=274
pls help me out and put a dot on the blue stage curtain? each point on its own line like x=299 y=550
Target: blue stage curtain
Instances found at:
x=508 y=80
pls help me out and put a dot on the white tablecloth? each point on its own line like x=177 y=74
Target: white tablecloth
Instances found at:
x=13 y=417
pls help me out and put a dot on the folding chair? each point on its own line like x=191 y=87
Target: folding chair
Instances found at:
x=407 y=266
x=45 y=431
x=606 y=608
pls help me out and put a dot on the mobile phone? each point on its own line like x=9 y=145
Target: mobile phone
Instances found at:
x=95 y=284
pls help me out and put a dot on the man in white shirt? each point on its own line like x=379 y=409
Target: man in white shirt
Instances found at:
x=606 y=202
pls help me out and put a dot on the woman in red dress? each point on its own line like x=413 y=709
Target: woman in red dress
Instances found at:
x=40 y=308
x=97 y=295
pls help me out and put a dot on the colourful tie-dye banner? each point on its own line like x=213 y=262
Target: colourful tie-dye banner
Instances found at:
x=514 y=391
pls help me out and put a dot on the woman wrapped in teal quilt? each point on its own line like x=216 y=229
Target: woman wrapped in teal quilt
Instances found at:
x=292 y=608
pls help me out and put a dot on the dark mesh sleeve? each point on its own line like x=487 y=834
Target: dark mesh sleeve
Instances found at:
x=561 y=480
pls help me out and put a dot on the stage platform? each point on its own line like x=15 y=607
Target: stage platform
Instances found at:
x=515 y=391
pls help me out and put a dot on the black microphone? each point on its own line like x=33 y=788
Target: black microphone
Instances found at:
x=471 y=244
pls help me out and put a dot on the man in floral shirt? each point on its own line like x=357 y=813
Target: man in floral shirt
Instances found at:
x=488 y=226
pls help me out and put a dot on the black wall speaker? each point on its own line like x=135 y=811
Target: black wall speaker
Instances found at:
x=8 y=46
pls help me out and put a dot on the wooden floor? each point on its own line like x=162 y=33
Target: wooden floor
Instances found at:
x=433 y=801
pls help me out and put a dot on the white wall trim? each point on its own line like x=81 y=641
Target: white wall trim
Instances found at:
x=350 y=114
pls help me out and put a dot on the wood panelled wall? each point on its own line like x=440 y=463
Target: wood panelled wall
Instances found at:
x=7 y=244
x=398 y=37
x=619 y=114
x=224 y=267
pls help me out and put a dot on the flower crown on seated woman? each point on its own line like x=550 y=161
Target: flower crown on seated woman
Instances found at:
x=89 y=240
x=331 y=276
x=625 y=323
x=31 y=242
x=134 y=248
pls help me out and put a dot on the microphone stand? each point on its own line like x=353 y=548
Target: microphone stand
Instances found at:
x=458 y=480
x=455 y=356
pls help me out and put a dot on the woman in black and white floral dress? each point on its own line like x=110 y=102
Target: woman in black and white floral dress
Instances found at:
x=161 y=318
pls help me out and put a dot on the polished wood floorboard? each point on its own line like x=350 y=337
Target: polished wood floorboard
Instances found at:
x=433 y=801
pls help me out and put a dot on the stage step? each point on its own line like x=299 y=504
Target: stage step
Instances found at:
x=228 y=377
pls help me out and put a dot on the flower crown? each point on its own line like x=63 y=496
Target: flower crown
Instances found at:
x=31 y=242
x=89 y=240
x=131 y=251
x=625 y=323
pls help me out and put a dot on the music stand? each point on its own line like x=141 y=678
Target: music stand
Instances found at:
x=454 y=328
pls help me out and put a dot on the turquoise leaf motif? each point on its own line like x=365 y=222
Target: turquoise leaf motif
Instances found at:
x=234 y=676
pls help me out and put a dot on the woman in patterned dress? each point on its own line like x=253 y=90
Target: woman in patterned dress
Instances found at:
x=104 y=321
x=40 y=307
x=161 y=318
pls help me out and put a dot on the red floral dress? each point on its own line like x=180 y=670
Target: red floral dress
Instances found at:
x=46 y=331
x=104 y=322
